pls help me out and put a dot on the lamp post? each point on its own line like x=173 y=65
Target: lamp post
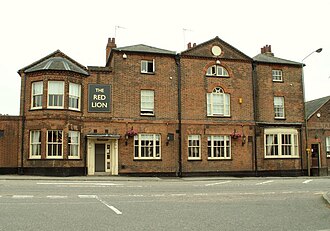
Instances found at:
x=305 y=118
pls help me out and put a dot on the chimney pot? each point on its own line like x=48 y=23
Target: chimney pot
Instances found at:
x=194 y=44
x=189 y=45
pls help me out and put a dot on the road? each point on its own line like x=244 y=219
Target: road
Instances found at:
x=165 y=204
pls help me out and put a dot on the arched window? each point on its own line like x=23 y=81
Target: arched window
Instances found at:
x=218 y=103
x=217 y=70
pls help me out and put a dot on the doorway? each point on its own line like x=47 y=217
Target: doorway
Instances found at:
x=99 y=157
x=102 y=157
x=315 y=159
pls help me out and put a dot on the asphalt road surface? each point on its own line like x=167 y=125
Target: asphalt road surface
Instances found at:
x=165 y=204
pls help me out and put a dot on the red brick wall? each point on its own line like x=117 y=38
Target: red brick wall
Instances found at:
x=318 y=130
x=10 y=142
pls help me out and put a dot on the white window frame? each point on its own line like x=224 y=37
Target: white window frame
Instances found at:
x=35 y=144
x=36 y=94
x=275 y=145
x=74 y=145
x=327 y=145
x=147 y=102
x=279 y=110
x=277 y=75
x=56 y=144
x=194 y=147
x=148 y=66
x=218 y=103
x=150 y=143
x=74 y=96
x=56 y=94
x=218 y=147
x=217 y=70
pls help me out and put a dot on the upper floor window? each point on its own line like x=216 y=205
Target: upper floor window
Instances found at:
x=217 y=70
x=218 y=103
x=55 y=94
x=74 y=144
x=147 y=102
x=148 y=66
x=194 y=147
x=281 y=143
x=147 y=146
x=37 y=90
x=74 y=96
x=54 y=144
x=279 y=107
x=35 y=144
x=277 y=75
x=218 y=147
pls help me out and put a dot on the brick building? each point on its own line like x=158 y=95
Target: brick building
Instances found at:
x=318 y=124
x=208 y=110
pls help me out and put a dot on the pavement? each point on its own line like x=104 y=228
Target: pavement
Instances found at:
x=326 y=195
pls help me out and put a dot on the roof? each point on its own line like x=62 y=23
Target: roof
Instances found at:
x=144 y=49
x=314 y=105
x=56 y=61
x=267 y=58
x=216 y=40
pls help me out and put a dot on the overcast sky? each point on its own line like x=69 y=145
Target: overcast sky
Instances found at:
x=33 y=29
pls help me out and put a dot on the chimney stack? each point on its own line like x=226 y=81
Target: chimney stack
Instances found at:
x=267 y=50
x=189 y=45
x=111 y=44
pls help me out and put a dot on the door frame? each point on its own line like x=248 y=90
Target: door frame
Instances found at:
x=113 y=151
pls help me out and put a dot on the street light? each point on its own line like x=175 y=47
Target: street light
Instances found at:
x=305 y=118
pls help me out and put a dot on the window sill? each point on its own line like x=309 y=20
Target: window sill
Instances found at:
x=218 y=76
x=146 y=159
x=147 y=115
x=218 y=159
x=280 y=118
x=219 y=116
x=148 y=73
x=281 y=157
x=194 y=159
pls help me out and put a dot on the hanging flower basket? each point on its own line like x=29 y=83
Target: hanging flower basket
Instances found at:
x=131 y=133
x=235 y=135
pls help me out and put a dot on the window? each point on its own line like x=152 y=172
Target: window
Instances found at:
x=148 y=66
x=218 y=103
x=73 y=142
x=37 y=88
x=217 y=70
x=281 y=143
x=277 y=75
x=35 y=144
x=194 y=148
x=218 y=147
x=55 y=94
x=147 y=102
x=54 y=144
x=327 y=144
x=279 y=107
x=74 y=96
x=147 y=146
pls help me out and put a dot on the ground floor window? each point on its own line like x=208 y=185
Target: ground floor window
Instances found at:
x=218 y=147
x=281 y=143
x=54 y=144
x=327 y=143
x=35 y=144
x=194 y=147
x=74 y=144
x=147 y=146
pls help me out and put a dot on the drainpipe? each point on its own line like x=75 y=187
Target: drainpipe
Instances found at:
x=21 y=172
x=254 y=147
x=177 y=61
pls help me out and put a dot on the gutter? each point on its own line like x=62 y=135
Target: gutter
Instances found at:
x=254 y=146
x=178 y=63
x=20 y=171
